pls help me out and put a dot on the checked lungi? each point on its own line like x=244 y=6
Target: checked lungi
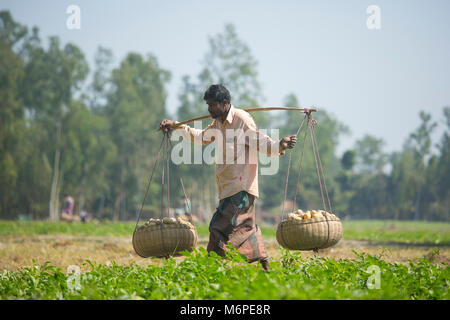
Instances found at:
x=234 y=222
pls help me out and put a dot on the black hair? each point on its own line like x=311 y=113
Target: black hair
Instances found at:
x=218 y=93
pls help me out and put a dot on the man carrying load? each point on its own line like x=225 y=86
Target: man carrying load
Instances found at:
x=237 y=180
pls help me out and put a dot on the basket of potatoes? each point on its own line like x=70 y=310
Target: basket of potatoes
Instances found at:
x=310 y=230
x=164 y=237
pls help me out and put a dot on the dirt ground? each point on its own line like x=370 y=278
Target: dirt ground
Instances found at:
x=17 y=252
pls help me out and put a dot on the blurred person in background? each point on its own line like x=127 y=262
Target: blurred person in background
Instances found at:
x=67 y=211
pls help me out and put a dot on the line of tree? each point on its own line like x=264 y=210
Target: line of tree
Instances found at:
x=97 y=140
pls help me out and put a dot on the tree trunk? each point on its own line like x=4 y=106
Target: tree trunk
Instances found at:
x=119 y=194
x=417 y=206
x=82 y=195
x=117 y=203
x=116 y=209
x=53 y=205
x=418 y=197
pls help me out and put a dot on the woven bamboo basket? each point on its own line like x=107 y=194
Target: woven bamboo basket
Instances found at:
x=309 y=234
x=163 y=240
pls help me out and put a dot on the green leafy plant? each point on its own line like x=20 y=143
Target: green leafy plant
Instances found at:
x=203 y=275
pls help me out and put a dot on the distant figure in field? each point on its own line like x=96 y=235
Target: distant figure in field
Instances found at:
x=67 y=211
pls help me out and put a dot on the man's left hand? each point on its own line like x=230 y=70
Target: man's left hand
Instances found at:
x=287 y=142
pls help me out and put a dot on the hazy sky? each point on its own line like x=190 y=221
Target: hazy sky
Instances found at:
x=374 y=81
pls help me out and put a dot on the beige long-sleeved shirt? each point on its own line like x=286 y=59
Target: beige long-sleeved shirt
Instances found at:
x=238 y=142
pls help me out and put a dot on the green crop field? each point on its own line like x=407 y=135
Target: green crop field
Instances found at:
x=203 y=276
x=36 y=256
x=406 y=232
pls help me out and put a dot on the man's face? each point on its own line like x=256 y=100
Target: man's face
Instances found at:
x=215 y=109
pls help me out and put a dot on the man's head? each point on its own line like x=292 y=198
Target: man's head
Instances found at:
x=218 y=99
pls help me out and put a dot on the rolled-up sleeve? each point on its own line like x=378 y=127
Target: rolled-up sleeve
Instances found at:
x=197 y=136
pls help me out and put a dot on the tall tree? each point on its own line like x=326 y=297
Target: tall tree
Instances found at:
x=136 y=105
x=231 y=63
x=87 y=154
x=52 y=77
x=420 y=143
x=348 y=159
x=402 y=184
x=101 y=82
x=436 y=195
x=370 y=155
x=11 y=109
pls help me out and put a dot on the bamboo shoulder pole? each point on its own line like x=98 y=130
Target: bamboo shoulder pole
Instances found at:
x=249 y=110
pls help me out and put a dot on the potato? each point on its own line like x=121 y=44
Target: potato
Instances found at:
x=184 y=222
x=181 y=220
x=291 y=216
x=168 y=220
x=315 y=214
x=307 y=215
x=190 y=225
x=300 y=212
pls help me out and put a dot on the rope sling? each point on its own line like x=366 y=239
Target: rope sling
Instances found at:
x=311 y=123
x=311 y=234
x=166 y=139
x=160 y=246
